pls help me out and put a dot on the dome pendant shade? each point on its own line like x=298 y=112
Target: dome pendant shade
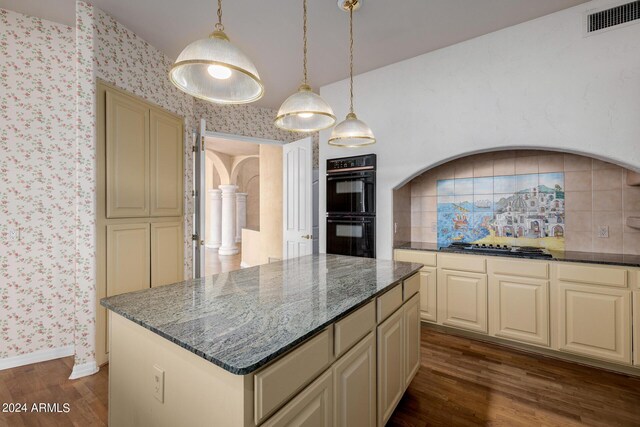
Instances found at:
x=215 y=70
x=305 y=111
x=351 y=133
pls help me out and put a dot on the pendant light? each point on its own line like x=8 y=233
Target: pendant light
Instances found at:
x=215 y=70
x=351 y=132
x=305 y=111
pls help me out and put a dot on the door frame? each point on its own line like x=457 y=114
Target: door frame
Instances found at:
x=200 y=190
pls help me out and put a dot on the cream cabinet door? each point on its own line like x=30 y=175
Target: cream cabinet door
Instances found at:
x=127 y=171
x=595 y=321
x=428 y=294
x=390 y=365
x=128 y=258
x=636 y=328
x=519 y=309
x=354 y=385
x=411 y=339
x=167 y=176
x=167 y=247
x=312 y=407
x=463 y=298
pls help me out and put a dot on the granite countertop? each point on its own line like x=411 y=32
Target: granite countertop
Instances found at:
x=566 y=256
x=243 y=319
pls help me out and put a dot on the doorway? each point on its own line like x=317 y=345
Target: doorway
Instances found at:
x=229 y=200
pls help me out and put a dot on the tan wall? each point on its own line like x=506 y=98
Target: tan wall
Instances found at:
x=596 y=194
x=270 y=202
x=402 y=214
x=249 y=182
x=250 y=248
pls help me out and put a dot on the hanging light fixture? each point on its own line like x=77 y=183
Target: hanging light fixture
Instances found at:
x=351 y=132
x=305 y=111
x=215 y=70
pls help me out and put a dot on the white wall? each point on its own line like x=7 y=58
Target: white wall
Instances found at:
x=540 y=84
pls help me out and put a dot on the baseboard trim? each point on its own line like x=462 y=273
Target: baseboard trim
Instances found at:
x=36 y=356
x=83 y=370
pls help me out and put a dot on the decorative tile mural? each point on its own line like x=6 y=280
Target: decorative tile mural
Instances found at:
x=520 y=210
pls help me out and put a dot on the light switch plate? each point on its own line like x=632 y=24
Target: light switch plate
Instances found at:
x=158 y=383
x=603 y=231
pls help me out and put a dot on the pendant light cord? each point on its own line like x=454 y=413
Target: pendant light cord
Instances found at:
x=351 y=58
x=304 y=40
x=219 y=26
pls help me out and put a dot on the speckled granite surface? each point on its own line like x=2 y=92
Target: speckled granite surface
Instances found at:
x=566 y=256
x=243 y=319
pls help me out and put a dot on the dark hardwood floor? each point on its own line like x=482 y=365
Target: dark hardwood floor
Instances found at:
x=464 y=382
x=461 y=383
x=47 y=382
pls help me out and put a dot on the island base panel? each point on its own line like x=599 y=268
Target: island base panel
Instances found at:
x=196 y=392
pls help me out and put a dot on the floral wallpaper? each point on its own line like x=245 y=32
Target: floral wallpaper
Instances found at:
x=37 y=173
x=248 y=120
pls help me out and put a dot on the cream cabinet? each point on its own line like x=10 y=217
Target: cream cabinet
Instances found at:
x=127 y=150
x=594 y=321
x=139 y=199
x=428 y=280
x=128 y=258
x=636 y=328
x=519 y=309
x=390 y=365
x=462 y=299
x=428 y=294
x=166 y=151
x=411 y=338
x=311 y=407
x=354 y=389
x=144 y=156
x=167 y=249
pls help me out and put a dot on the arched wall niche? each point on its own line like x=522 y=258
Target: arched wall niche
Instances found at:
x=597 y=193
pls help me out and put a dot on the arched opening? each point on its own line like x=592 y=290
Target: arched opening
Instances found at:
x=537 y=198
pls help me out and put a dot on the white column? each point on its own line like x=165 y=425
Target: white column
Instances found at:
x=215 y=219
x=241 y=214
x=228 y=246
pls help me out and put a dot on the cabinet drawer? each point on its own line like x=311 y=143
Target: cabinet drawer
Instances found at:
x=606 y=276
x=312 y=407
x=410 y=287
x=352 y=328
x=421 y=257
x=475 y=264
x=278 y=382
x=389 y=302
x=533 y=269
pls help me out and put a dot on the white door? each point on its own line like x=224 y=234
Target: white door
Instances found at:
x=297 y=209
x=199 y=199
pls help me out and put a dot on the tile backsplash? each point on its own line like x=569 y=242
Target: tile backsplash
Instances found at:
x=596 y=197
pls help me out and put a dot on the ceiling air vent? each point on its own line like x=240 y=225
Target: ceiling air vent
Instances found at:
x=613 y=17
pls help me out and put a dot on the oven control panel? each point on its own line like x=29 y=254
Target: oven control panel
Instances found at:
x=344 y=164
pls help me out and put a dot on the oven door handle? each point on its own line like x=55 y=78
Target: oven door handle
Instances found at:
x=363 y=176
x=347 y=221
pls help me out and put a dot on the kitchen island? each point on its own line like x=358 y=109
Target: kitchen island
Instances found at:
x=279 y=343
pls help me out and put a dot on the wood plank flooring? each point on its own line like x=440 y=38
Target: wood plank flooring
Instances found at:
x=461 y=383
x=48 y=382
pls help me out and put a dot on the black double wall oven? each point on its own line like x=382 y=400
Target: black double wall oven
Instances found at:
x=351 y=206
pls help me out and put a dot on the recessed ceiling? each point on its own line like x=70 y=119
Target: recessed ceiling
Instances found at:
x=231 y=147
x=270 y=32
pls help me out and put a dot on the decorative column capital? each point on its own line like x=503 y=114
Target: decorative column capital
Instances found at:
x=228 y=189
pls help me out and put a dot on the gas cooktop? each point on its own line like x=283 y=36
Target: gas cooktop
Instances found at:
x=518 y=251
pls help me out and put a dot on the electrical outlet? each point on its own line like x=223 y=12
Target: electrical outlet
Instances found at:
x=603 y=231
x=14 y=234
x=158 y=383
